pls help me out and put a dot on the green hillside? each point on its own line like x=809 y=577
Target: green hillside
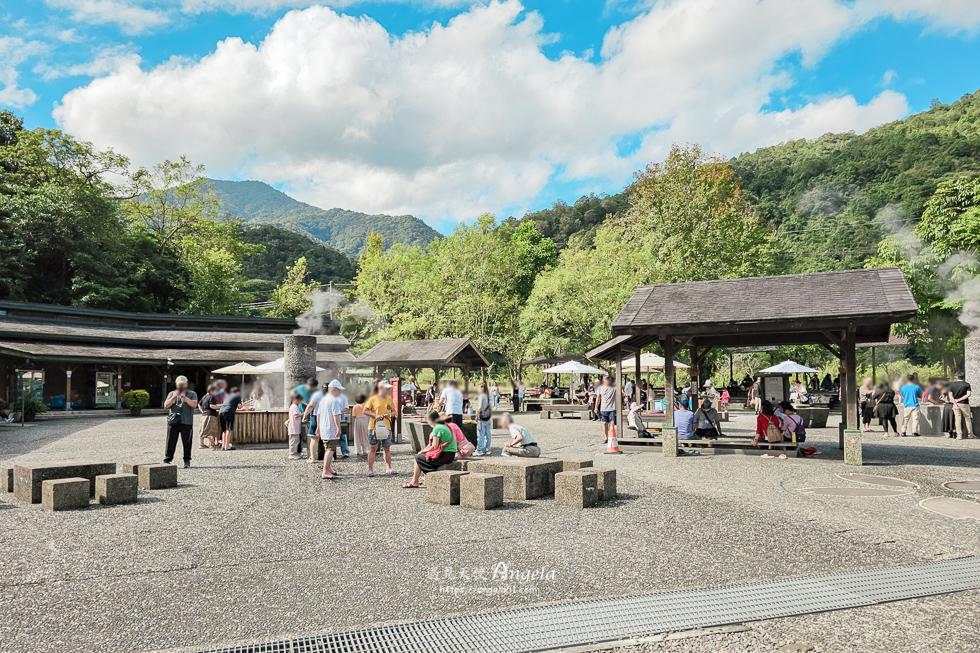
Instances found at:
x=258 y=203
x=282 y=248
x=834 y=198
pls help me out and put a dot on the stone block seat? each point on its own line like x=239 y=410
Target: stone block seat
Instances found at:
x=481 y=491
x=132 y=468
x=443 y=487
x=6 y=479
x=578 y=489
x=155 y=477
x=575 y=465
x=116 y=488
x=65 y=494
x=28 y=478
x=524 y=478
x=606 y=479
x=455 y=466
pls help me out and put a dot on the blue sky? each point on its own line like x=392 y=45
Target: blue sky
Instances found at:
x=500 y=107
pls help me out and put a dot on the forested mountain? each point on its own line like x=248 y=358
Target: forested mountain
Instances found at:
x=258 y=203
x=282 y=248
x=834 y=198
x=563 y=221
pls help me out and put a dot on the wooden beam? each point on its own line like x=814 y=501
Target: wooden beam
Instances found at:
x=619 y=384
x=849 y=382
x=836 y=352
x=668 y=347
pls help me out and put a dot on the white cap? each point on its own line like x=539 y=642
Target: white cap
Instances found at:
x=335 y=384
x=384 y=384
x=707 y=383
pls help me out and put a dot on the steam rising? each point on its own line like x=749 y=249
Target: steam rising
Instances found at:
x=310 y=323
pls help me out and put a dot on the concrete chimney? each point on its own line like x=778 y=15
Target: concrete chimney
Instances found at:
x=300 y=361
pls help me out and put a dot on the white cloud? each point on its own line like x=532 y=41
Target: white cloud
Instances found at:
x=105 y=60
x=950 y=15
x=13 y=52
x=131 y=16
x=471 y=115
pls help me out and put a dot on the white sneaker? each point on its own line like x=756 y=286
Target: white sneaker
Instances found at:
x=296 y=457
x=886 y=435
x=504 y=453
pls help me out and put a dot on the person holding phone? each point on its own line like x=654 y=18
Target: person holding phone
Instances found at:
x=181 y=403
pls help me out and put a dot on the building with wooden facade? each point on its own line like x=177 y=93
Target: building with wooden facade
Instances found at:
x=97 y=355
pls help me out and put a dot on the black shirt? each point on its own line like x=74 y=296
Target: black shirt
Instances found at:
x=231 y=404
x=208 y=406
x=959 y=389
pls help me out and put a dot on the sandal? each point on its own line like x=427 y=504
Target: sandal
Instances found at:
x=328 y=478
x=782 y=456
x=765 y=455
x=408 y=486
x=391 y=473
x=370 y=474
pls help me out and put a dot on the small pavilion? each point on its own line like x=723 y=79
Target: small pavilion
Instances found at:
x=836 y=310
x=414 y=355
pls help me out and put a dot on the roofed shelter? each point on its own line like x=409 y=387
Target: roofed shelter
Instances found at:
x=836 y=310
x=414 y=355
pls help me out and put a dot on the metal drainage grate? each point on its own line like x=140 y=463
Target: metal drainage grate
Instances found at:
x=574 y=624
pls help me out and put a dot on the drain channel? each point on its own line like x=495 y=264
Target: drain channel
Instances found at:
x=573 y=624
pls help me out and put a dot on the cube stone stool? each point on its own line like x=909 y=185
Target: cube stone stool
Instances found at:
x=155 y=477
x=442 y=487
x=65 y=493
x=116 y=488
x=481 y=491
x=579 y=489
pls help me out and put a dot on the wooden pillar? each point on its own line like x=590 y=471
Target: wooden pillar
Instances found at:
x=119 y=387
x=619 y=382
x=636 y=377
x=695 y=376
x=874 y=371
x=668 y=347
x=68 y=390
x=466 y=380
x=850 y=374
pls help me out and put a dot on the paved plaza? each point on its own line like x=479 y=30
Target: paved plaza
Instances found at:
x=254 y=547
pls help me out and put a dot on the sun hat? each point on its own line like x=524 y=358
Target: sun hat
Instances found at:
x=635 y=407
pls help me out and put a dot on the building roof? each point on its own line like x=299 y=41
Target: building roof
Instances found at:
x=136 y=355
x=450 y=352
x=35 y=330
x=75 y=314
x=556 y=360
x=769 y=310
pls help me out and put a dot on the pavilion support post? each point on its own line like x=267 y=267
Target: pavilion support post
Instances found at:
x=466 y=380
x=119 y=387
x=851 y=434
x=695 y=376
x=636 y=378
x=874 y=365
x=619 y=384
x=668 y=347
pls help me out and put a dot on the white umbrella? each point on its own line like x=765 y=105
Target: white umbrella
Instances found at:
x=278 y=365
x=242 y=368
x=573 y=367
x=788 y=367
x=653 y=362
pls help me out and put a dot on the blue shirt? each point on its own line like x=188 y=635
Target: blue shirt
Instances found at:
x=684 y=421
x=910 y=395
x=304 y=392
x=315 y=400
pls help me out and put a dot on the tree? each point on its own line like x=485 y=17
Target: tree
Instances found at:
x=292 y=296
x=173 y=201
x=215 y=286
x=688 y=220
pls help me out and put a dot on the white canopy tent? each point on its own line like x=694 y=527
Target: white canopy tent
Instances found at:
x=242 y=368
x=572 y=368
x=788 y=367
x=278 y=366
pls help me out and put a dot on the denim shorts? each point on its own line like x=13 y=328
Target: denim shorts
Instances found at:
x=607 y=416
x=372 y=441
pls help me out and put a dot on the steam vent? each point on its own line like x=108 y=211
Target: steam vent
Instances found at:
x=300 y=363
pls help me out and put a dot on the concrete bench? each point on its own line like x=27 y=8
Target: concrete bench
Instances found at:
x=578 y=489
x=116 y=488
x=481 y=491
x=745 y=446
x=559 y=412
x=28 y=478
x=575 y=465
x=6 y=479
x=156 y=477
x=443 y=487
x=524 y=478
x=65 y=494
x=814 y=417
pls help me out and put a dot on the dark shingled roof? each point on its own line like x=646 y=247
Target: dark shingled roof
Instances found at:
x=137 y=355
x=820 y=295
x=452 y=352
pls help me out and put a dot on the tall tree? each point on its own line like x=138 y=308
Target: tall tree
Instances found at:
x=292 y=296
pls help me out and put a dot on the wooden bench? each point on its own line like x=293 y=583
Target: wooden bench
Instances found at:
x=548 y=412
x=763 y=447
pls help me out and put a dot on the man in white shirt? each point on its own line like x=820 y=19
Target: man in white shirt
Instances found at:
x=452 y=402
x=328 y=425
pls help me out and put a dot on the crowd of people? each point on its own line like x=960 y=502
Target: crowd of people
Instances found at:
x=897 y=406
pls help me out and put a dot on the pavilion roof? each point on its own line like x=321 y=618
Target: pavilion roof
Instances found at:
x=449 y=352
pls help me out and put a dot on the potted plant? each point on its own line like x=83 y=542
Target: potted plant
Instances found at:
x=32 y=408
x=137 y=400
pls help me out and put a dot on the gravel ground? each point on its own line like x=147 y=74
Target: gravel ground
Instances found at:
x=254 y=547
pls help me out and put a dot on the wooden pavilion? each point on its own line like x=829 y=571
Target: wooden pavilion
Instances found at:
x=836 y=310
x=413 y=355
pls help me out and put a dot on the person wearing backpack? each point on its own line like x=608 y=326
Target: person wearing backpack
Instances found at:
x=767 y=425
x=792 y=423
x=484 y=415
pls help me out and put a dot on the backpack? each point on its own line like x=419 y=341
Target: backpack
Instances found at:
x=798 y=429
x=773 y=433
x=463 y=446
